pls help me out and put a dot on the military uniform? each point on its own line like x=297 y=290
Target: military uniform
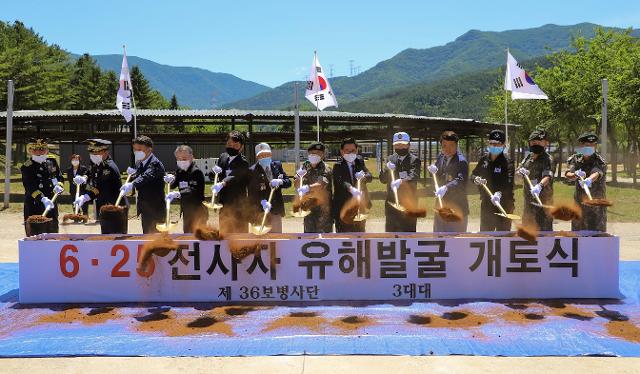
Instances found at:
x=38 y=180
x=499 y=176
x=453 y=173
x=344 y=177
x=233 y=215
x=320 y=219
x=594 y=218
x=190 y=183
x=150 y=184
x=539 y=167
x=407 y=169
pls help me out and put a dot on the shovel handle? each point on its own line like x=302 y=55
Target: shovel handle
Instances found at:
x=435 y=184
x=498 y=205
x=395 y=190
x=264 y=216
x=586 y=188
x=121 y=194
x=526 y=178
x=77 y=196
x=213 y=193
x=53 y=200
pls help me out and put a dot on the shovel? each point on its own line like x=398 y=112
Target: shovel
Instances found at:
x=301 y=213
x=75 y=217
x=525 y=173
x=167 y=225
x=213 y=205
x=396 y=205
x=262 y=228
x=502 y=213
x=360 y=216
x=53 y=200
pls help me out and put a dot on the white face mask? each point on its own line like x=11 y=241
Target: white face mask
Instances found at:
x=96 y=159
x=350 y=157
x=75 y=162
x=139 y=155
x=39 y=158
x=184 y=165
x=314 y=159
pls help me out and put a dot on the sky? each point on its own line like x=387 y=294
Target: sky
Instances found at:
x=272 y=42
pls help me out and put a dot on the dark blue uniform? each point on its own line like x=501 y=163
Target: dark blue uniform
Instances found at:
x=499 y=175
x=191 y=184
x=38 y=180
x=150 y=184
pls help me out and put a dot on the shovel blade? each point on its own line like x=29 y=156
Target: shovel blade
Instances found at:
x=215 y=206
x=542 y=206
x=509 y=216
x=164 y=227
x=259 y=229
x=301 y=213
x=397 y=206
x=360 y=217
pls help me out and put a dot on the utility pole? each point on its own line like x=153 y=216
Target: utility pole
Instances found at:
x=9 y=145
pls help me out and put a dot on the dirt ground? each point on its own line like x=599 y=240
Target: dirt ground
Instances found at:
x=11 y=230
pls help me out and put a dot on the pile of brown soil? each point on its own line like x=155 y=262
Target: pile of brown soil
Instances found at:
x=160 y=246
x=352 y=323
x=107 y=210
x=299 y=320
x=38 y=219
x=597 y=202
x=463 y=319
x=449 y=215
x=169 y=324
x=100 y=238
x=207 y=232
x=93 y=317
x=624 y=330
x=77 y=218
x=566 y=212
x=528 y=233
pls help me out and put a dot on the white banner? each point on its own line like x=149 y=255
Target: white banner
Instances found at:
x=411 y=268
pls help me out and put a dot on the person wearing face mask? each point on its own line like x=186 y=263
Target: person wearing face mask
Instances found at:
x=452 y=175
x=317 y=175
x=233 y=170
x=77 y=169
x=103 y=180
x=495 y=168
x=148 y=180
x=189 y=180
x=41 y=178
x=264 y=175
x=406 y=168
x=539 y=164
x=346 y=173
x=591 y=166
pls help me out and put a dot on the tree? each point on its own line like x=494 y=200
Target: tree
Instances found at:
x=174 y=103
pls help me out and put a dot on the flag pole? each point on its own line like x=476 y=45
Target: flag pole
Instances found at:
x=315 y=66
x=506 y=114
x=133 y=102
x=296 y=121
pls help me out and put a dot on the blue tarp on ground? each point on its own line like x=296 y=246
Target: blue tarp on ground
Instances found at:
x=508 y=328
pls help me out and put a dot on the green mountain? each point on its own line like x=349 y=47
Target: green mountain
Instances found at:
x=196 y=88
x=474 y=51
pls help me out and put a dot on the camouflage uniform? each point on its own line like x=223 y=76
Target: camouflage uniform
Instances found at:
x=538 y=168
x=594 y=218
x=320 y=219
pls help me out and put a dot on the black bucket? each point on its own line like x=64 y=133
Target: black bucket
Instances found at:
x=34 y=227
x=113 y=220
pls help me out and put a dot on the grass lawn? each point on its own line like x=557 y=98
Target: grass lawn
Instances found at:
x=626 y=200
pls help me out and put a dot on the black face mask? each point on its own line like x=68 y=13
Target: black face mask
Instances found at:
x=536 y=149
x=402 y=152
x=232 y=151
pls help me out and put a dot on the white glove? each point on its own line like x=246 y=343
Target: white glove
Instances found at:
x=360 y=175
x=495 y=198
x=48 y=204
x=523 y=171
x=169 y=178
x=217 y=169
x=581 y=173
x=535 y=190
x=355 y=192
x=303 y=190
x=58 y=189
x=586 y=181
x=433 y=169
x=266 y=206
x=391 y=165
x=396 y=184
x=276 y=182
x=216 y=188
x=126 y=188
x=441 y=191
x=478 y=180
x=80 y=180
x=131 y=171
x=173 y=195
x=81 y=200
x=301 y=172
